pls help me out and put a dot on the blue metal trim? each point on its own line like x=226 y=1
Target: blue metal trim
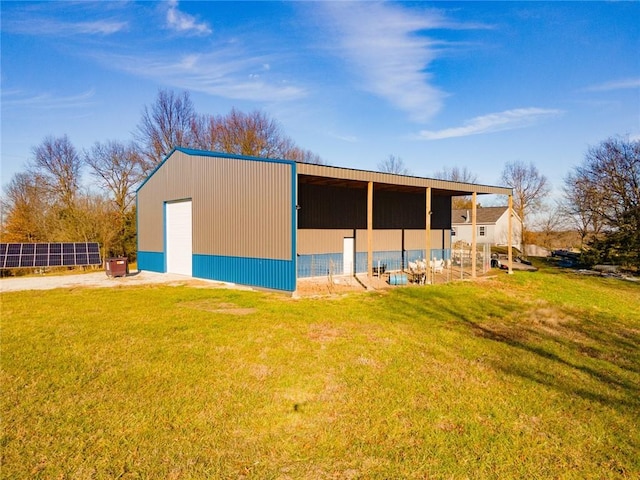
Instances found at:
x=151 y=261
x=257 y=272
x=294 y=223
x=164 y=234
x=137 y=231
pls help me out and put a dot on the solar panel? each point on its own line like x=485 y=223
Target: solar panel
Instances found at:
x=25 y=255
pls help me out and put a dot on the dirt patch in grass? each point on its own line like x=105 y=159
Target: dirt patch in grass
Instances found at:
x=207 y=305
x=324 y=333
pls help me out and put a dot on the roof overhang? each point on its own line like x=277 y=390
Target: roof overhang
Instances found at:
x=351 y=178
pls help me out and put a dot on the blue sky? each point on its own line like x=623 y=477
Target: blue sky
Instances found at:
x=438 y=84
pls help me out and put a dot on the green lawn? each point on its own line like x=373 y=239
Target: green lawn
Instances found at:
x=533 y=375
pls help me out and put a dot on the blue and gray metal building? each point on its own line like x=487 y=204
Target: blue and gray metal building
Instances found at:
x=266 y=222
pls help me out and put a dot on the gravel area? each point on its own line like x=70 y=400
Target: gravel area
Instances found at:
x=308 y=287
x=100 y=279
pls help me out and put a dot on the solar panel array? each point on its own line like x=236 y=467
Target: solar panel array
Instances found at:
x=19 y=255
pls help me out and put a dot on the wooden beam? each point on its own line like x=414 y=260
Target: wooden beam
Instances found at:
x=474 y=228
x=427 y=251
x=509 y=235
x=370 y=230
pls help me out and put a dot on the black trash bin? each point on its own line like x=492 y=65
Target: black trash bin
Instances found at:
x=117 y=267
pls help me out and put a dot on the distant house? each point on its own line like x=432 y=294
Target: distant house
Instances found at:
x=492 y=226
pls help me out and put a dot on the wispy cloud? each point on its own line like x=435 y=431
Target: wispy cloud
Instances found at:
x=386 y=45
x=183 y=22
x=629 y=83
x=493 y=122
x=227 y=72
x=53 y=27
x=47 y=101
x=344 y=137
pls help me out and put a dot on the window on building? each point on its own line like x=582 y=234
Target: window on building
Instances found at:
x=453 y=232
x=481 y=231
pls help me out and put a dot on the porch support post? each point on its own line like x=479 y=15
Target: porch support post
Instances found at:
x=510 y=235
x=370 y=230
x=474 y=232
x=427 y=252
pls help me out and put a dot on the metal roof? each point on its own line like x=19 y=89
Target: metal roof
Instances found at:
x=328 y=175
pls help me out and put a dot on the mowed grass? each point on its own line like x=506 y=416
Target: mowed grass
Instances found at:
x=533 y=375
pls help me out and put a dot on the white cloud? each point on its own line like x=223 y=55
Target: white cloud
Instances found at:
x=226 y=73
x=386 y=46
x=629 y=83
x=493 y=122
x=183 y=22
x=44 y=26
x=46 y=101
x=344 y=137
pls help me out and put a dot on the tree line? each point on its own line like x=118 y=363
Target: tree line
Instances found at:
x=49 y=201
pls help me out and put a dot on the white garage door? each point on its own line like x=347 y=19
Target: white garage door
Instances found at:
x=179 y=237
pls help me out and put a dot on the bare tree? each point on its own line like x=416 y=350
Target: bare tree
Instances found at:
x=251 y=134
x=579 y=206
x=530 y=188
x=58 y=164
x=304 y=156
x=604 y=193
x=548 y=225
x=118 y=169
x=456 y=174
x=393 y=164
x=462 y=175
x=166 y=124
x=204 y=132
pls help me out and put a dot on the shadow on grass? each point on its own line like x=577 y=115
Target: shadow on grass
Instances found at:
x=596 y=359
x=605 y=386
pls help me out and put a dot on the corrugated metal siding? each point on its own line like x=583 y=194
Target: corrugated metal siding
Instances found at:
x=151 y=261
x=415 y=239
x=383 y=240
x=150 y=218
x=258 y=272
x=245 y=210
x=241 y=208
x=318 y=241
